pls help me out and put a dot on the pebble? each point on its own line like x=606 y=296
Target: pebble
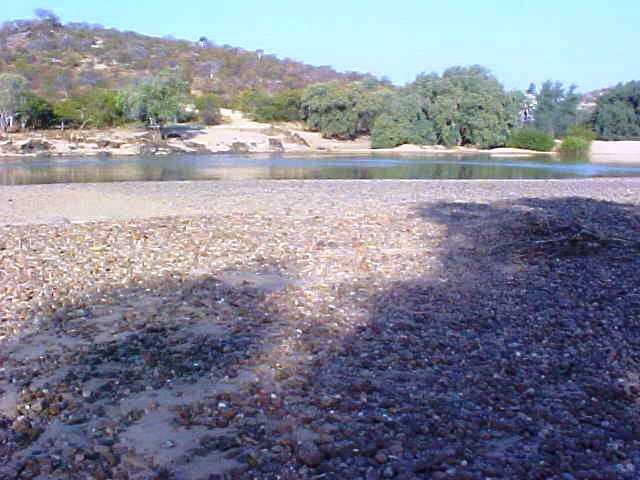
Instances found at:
x=309 y=454
x=400 y=347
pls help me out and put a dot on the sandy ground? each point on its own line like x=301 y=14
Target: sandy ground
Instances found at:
x=320 y=329
x=63 y=203
x=238 y=134
x=615 y=152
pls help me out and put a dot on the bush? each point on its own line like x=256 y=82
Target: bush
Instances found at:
x=617 y=113
x=284 y=106
x=69 y=112
x=557 y=108
x=209 y=109
x=531 y=139
x=341 y=111
x=387 y=132
x=581 y=131
x=403 y=122
x=102 y=108
x=575 y=146
x=468 y=106
x=37 y=112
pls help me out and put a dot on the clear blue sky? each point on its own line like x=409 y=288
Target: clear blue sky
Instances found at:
x=593 y=43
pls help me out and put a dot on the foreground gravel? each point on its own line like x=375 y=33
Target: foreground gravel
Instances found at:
x=301 y=330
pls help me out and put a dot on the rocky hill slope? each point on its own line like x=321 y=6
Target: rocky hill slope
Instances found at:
x=61 y=60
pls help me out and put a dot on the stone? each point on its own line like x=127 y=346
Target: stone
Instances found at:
x=380 y=457
x=309 y=454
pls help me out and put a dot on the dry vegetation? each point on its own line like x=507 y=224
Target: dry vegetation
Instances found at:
x=65 y=60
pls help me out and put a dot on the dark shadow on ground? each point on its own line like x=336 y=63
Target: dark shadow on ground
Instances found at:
x=181 y=131
x=146 y=371
x=519 y=359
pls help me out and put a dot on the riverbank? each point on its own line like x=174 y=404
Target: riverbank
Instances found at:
x=243 y=136
x=345 y=329
x=615 y=152
x=237 y=135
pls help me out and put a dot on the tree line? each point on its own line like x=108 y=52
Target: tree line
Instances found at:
x=162 y=99
x=462 y=106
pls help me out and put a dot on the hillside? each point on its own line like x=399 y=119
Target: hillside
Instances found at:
x=63 y=60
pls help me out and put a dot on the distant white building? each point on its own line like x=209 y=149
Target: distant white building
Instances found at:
x=527 y=114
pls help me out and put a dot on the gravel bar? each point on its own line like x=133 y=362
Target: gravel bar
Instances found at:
x=321 y=330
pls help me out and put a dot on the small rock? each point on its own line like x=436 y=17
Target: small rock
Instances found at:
x=380 y=457
x=22 y=425
x=388 y=472
x=309 y=454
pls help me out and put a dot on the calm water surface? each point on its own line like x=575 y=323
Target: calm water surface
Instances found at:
x=221 y=167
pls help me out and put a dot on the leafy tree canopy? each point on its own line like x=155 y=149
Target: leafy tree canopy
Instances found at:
x=36 y=112
x=14 y=93
x=209 y=109
x=468 y=106
x=617 y=113
x=342 y=111
x=557 y=108
x=403 y=121
x=159 y=101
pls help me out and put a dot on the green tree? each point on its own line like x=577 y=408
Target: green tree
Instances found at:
x=251 y=100
x=209 y=109
x=14 y=94
x=36 y=112
x=100 y=108
x=557 y=108
x=341 y=111
x=617 y=113
x=69 y=112
x=468 y=106
x=287 y=105
x=97 y=108
x=403 y=121
x=531 y=139
x=283 y=106
x=159 y=101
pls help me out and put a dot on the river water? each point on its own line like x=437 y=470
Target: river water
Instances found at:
x=226 y=167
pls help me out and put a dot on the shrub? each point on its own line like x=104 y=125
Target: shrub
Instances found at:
x=557 y=108
x=581 y=131
x=468 y=106
x=209 y=109
x=575 y=146
x=531 y=139
x=69 y=112
x=387 y=132
x=102 y=108
x=617 y=113
x=37 y=112
x=158 y=101
x=341 y=111
x=403 y=122
x=284 y=106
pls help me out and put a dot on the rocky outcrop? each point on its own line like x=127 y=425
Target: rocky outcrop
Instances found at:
x=275 y=144
x=239 y=147
x=35 y=146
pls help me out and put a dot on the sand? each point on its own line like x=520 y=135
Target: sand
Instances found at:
x=238 y=134
x=615 y=152
x=320 y=329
